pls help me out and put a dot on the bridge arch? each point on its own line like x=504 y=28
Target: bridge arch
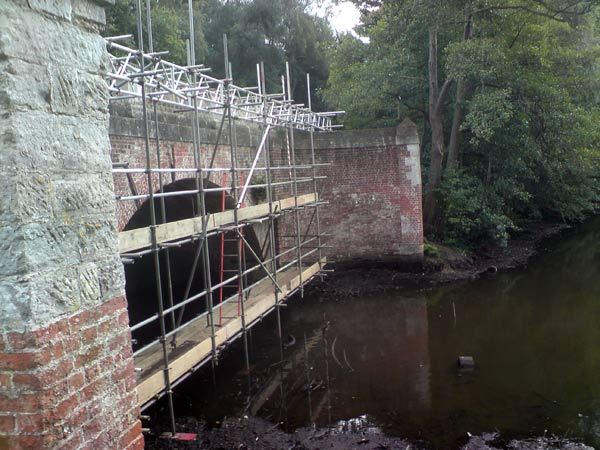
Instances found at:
x=180 y=277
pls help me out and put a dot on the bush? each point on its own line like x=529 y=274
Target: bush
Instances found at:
x=431 y=250
x=259 y=194
x=472 y=214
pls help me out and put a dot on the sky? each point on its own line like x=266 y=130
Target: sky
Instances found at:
x=343 y=16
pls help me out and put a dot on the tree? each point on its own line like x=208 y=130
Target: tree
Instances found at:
x=273 y=32
x=514 y=71
x=170 y=27
x=269 y=31
x=420 y=21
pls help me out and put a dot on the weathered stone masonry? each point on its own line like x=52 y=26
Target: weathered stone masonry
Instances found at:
x=66 y=372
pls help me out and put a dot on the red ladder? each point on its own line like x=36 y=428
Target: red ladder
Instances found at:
x=222 y=269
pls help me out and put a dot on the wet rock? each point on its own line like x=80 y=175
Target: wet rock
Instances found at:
x=491 y=441
x=492 y=269
x=258 y=434
x=290 y=342
x=466 y=362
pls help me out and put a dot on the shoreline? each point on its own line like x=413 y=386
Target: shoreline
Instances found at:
x=449 y=266
x=252 y=433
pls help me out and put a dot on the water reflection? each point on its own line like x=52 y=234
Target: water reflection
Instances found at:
x=534 y=334
x=363 y=361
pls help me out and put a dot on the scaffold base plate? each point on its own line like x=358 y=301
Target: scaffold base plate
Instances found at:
x=180 y=436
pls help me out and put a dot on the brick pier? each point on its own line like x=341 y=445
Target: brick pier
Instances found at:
x=66 y=372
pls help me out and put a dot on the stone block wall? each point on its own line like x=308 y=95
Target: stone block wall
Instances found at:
x=66 y=372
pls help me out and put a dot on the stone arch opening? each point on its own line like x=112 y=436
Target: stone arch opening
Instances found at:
x=140 y=280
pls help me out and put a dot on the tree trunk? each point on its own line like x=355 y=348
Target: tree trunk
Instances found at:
x=456 y=134
x=461 y=90
x=436 y=116
x=431 y=206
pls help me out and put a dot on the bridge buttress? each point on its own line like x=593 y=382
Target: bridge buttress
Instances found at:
x=66 y=372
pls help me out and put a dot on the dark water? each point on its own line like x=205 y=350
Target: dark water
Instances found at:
x=390 y=360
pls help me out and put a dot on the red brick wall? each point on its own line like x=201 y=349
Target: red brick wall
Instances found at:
x=130 y=149
x=372 y=204
x=178 y=153
x=71 y=384
x=373 y=190
x=373 y=183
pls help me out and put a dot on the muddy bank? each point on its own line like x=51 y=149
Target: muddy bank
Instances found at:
x=494 y=441
x=252 y=433
x=249 y=433
x=445 y=266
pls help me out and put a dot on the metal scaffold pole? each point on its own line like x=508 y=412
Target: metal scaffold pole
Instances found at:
x=314 y=177
x=236 y=224
x=271 y=222
x=155 y=248
x=149 y=26
x=184 y=335
x=294 y=186
x=163 y=214
x=201 y=202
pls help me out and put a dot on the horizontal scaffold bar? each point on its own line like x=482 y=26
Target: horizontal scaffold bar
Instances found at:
x=141 y=237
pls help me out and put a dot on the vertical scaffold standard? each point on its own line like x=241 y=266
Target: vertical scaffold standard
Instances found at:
x=197 y=274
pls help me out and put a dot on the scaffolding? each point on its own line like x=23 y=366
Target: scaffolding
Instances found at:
x=259 y=281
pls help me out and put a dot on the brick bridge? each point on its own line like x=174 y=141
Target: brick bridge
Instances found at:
x=373 y=180
x=67 y=377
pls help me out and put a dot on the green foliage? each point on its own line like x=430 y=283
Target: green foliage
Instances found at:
x=531 y=109
x=473 y=214
x=259 y=194
x=430 y=250
x=170 y=27
x=489 y=112
x=367 y=103
x=484 y=58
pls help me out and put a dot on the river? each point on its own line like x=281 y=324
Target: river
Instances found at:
x=389 y=361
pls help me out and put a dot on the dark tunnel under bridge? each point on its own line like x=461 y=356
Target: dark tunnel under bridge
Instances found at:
x=182 y=267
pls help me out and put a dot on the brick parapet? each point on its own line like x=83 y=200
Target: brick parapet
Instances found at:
x=175 y=125
x=373 y=190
